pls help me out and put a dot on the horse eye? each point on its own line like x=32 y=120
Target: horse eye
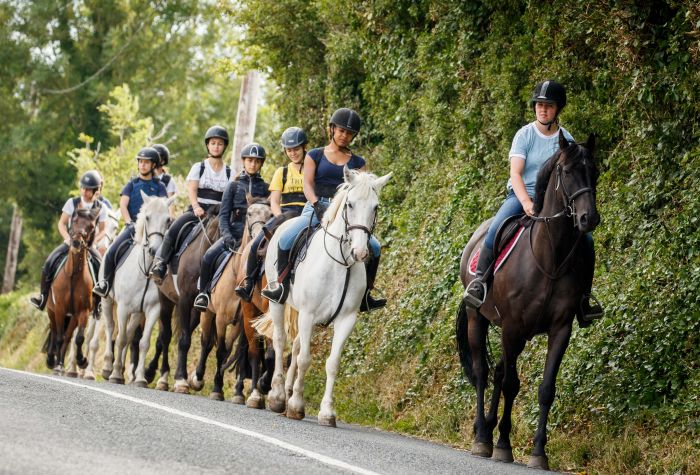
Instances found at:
x=349 y=205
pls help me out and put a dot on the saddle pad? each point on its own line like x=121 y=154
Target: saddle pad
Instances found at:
x=122 y=252
x=190 y=231
x=301 y=244
x=502 y=256
x=220 y=265
x=61 y=262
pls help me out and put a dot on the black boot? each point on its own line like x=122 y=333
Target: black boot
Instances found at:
x=160 y=264
x=40 y=301
x=279 y=292
x=587 y=313
x=369 y=303
x=475 y=293
x=245 y=290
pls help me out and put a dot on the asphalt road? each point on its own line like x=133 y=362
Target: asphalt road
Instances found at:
x=58 y=425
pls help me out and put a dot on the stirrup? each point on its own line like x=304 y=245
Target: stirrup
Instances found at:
x=201 y=302
x=594 y=311
x=274 y=295
x=38 y=302
x=369 y=303
x=158 y=271
x=475 y=286
x=101 y=288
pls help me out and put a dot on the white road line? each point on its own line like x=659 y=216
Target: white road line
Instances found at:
x=265 y=438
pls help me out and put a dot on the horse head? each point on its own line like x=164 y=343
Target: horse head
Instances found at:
x=355 y=206
x=259 y=212
x=82 y=229
x=152 y=221
x=566 y=184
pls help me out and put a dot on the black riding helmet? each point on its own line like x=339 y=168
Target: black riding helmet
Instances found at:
x=254 y=150
x=149 y=153
x=91 y=180
x=218 y=132
x=293 y=137
x=163 y=152
x=550 y=92
x=347 y=119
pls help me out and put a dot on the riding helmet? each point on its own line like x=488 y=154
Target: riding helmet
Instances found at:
x=550 y=92
x=293 y=137
x=163 y=152
x=149 y=153
x=254 y=150
x=90 y=180
x=347 y=119
x=218 y=132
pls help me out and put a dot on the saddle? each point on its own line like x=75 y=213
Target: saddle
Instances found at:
x=123 y=251
x=507 y=237
x=57 y=265
x=187 y=234
x=269 y=231
x=300 y=246
x=220 y=265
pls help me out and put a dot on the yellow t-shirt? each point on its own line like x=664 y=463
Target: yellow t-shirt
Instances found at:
x=294 y=184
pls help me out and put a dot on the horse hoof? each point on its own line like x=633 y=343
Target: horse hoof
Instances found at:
x=503 y=455
x=195 y=383
x=89 y=377
x=216 y=396
x=238 y=399
x=141 y=384
x=181 y=388
x=82 y=364
x=275 y=405
x=327 y=421
x=296 y=415
x=106 y=373
x=72 y=374
x=255 y=403
x=116 y=380
x=538 y=461
x=162 y=386
x=57 y=372
x=482 y=449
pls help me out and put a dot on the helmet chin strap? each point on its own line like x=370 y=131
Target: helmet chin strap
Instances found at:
x=343 y=148
x=550 y=123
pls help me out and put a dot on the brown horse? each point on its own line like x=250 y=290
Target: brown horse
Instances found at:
x=224 y=306
x=70 y=298
x=181 y=294
x=537 y=291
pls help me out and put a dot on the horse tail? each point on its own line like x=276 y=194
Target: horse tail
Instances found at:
x=462 y=336
x=263 y=325
x=240 y=362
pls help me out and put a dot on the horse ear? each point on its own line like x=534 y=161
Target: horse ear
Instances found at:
x=347 y=174
x=94 y=213
x=144 y=197
x=249 y=198
x=563 y=143
x=380 y=182
x=590 y=143
x=171 y=200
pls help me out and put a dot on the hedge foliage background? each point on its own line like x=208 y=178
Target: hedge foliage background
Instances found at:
x=442 y=87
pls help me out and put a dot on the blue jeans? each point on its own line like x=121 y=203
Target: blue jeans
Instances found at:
x=287 y=239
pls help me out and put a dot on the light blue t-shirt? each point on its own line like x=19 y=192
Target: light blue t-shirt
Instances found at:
x=531 y=145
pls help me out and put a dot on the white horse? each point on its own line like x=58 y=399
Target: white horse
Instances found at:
x=93 y=324
x=134 y=294
x=329 y=285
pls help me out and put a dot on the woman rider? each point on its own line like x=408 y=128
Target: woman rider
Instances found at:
x=286 y=200
x=89 y=186
x=130 y=203
x=323 y=173
x=161 y=173
x=532 y=146
x=232 y=217
x=205 y=187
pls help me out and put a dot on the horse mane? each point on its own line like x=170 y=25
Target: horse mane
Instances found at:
x=543 y=180
x=362 y=183
x=146 y=209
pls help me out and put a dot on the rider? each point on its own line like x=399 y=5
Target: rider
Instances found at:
x=323 y=173
x=205 y=187
x=286 y=200
x=532 y=146
x=89 y=185
x=130 y=204
x=232 y=216
x=161 y=173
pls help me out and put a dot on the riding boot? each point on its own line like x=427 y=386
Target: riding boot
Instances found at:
x=201 y=302
x=245 y=290
x=475 y=293
x=96 y=306
x=279 y=293
x=369 y=303
x=160 y=264
x=40 y=301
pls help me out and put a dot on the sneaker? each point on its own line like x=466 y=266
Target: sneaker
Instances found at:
x=201 y=302
x=101 y=288
x=475 y=293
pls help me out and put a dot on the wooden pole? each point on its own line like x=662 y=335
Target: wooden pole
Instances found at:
x=245 y=120
x=8 y=282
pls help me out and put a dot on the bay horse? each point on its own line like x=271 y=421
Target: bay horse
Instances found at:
x=329 y=286
x=536 y=291
x=70 y=297
x=224 y=305
x=180 y=293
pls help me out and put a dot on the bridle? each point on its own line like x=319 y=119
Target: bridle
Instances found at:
x=345 y=237
x=145 y=245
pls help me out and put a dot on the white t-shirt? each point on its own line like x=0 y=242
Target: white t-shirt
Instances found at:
x=210 y=179
x=68 y=208
x=170 y=187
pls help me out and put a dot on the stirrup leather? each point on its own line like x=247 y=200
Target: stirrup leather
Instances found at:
x=475 y=286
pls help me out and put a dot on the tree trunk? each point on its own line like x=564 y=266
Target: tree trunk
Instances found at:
x=245 y=120
x=8 y=282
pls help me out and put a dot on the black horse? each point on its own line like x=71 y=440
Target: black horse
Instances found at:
x=538 y=290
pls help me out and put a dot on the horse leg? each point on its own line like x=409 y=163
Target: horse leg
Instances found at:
x=255 y=349
x=66 y=337
x=132 y=328
x=292 y=369
x=476 y=334
x=222 y=352
x=269 y=363
x=71 y=370
x=295 y=405
x=277 y=396
x=208 y=336
x=134 y=344
x=51 y=348
x=558 y=342
x=94 y=330
x=189 y=319
x=117 y=376
x=513 y=343
x=108 y=316
x=166 y=335
x=145 y=342
x=492 y=416
x=80 y=359
x=342 y=327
